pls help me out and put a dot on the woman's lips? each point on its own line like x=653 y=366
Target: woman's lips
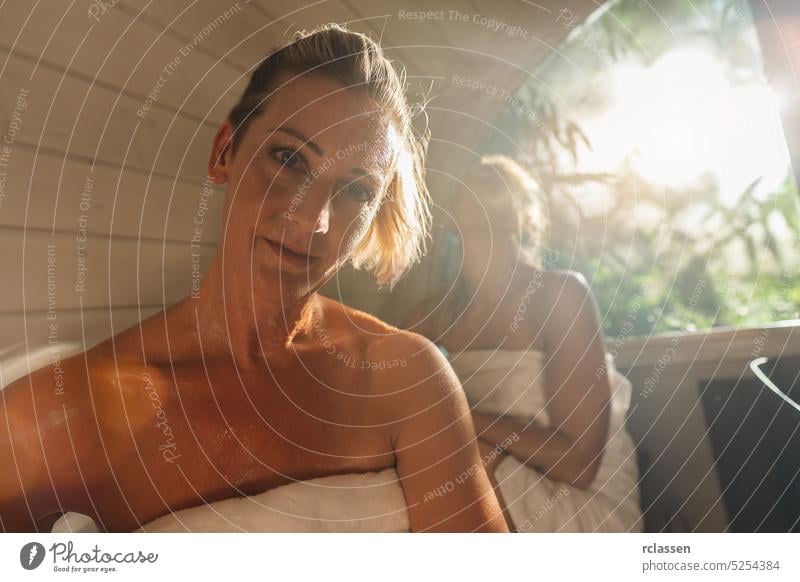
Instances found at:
x=289 y=256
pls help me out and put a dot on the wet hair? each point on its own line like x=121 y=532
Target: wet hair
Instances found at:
x=397 y=237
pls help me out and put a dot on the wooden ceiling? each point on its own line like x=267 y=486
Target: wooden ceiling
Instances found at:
x=497 y=43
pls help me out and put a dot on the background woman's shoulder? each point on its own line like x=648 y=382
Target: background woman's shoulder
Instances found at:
x=564 y=284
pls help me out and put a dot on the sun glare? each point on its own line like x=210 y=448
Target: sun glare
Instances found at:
x=682 y=119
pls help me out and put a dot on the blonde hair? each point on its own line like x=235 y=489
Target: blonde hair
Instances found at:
x=397 y=237
x=527 y=198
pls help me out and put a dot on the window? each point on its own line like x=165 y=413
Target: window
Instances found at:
x=659 y=146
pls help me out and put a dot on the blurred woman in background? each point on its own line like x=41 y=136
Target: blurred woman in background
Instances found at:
x=526 y=343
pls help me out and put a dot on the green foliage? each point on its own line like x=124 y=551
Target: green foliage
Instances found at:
x=695 y=262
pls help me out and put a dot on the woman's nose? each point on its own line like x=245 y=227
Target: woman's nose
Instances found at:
x=313 y=213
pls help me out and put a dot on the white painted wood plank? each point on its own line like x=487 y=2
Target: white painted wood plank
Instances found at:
x=68 y=195
x=241 y=36
x=120 y=52
x=40 y=277
x=28 y=342
x=63 y=113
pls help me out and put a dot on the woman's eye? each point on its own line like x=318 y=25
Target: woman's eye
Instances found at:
x=287 y=158
x=361 y=193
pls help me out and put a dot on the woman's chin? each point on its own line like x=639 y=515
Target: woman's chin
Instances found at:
x=286 y=286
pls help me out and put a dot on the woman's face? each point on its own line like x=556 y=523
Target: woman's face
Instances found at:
x=304 y=184
x=484 y=219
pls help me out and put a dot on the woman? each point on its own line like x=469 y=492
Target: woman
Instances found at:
x=527 y=347
x=257 y=381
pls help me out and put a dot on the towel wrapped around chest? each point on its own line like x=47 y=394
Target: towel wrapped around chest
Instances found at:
x=354 y=502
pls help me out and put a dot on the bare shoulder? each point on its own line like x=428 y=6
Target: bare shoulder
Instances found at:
x=417 y=352
x=79 y=384
x=349 y=320
x=569 y=284
x=367 y=332
x=402 y=372
x=94 y=394
x=415 y=377
x=574 y=316
x=567 y=294
x=62 y=382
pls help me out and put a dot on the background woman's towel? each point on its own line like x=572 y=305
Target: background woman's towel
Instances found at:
x=356 y=502
x=511 y=382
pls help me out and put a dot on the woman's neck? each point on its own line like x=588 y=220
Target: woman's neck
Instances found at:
x=232 y=320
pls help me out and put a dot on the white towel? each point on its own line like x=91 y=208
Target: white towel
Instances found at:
x=355 y=502
x=511 y=382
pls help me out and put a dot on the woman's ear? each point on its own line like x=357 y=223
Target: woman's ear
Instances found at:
x=219 y=162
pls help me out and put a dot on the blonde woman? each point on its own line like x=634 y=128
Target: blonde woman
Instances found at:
x=252 y=374
x=526 y=344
